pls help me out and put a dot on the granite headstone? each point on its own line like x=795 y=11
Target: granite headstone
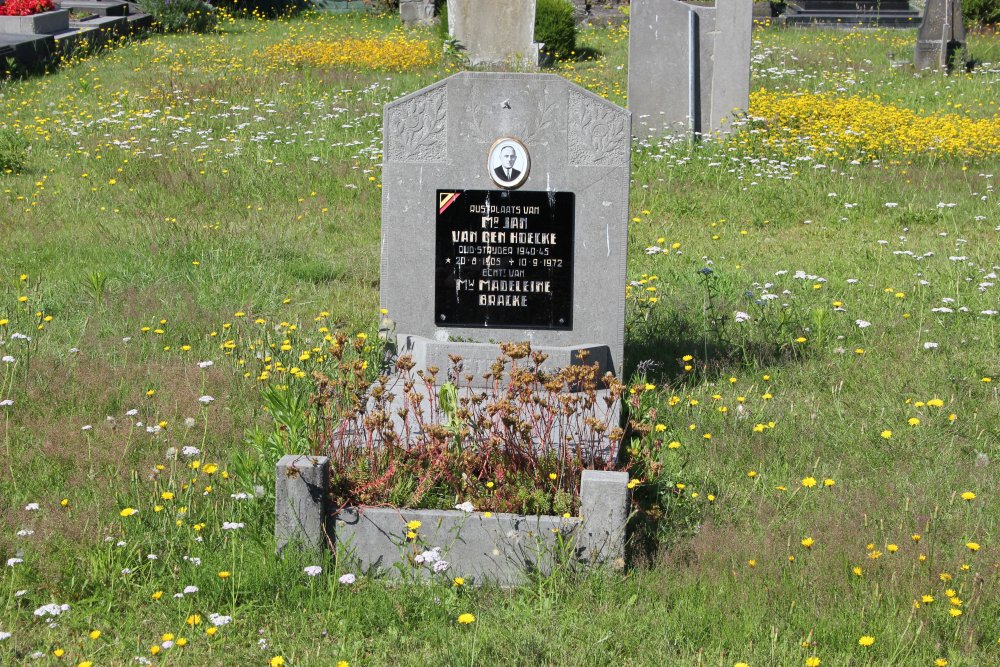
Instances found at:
x=689 y=65
x=504 y=218
x=493 y=32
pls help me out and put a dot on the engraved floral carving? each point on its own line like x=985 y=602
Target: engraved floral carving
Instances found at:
x=417 y=128
x=525 y=116
x=597 y=133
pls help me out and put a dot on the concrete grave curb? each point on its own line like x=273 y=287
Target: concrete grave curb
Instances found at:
x=479 y=546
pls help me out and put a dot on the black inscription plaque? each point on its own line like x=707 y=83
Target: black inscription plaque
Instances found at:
x=504 y=259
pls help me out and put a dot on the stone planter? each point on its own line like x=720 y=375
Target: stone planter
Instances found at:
x=36 y=24
x=481 y=547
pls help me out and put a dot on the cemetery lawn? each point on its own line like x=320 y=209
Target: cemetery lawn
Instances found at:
x=812 y=340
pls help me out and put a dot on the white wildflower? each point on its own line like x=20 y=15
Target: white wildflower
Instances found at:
x=313 y=570
x=465 y=507
x=51 y=609
x=347 y=579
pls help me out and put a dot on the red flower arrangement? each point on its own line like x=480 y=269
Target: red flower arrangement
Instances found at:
x=25 y=7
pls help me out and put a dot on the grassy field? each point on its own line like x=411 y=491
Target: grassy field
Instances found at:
x=812 y=340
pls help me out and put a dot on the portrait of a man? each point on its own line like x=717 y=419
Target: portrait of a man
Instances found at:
x=506 y=170
x=508 y=162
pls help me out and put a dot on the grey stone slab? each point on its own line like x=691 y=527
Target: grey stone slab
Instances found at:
x=689 y=65
x=604 y=509
x=730 y=92
x=139 y=22
x=301 y=484
x=416 y=12
x=28 y=50
x=109 y=23
x=44 y=23
x=501 y=548
x=498 y=548
x=439 y=138
x=99 y=7
x=495 y=33
x=941 y=37
x=73 y=38
x=478 y=358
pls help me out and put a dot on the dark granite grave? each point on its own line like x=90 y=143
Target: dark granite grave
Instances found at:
x=851 y=13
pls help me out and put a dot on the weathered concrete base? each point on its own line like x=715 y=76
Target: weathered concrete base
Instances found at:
x=498 y=548
x=300 y=502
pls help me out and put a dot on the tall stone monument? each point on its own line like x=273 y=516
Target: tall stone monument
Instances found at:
x=504 y=218
x=495 y=32
x=689 y=65
x=941 y=39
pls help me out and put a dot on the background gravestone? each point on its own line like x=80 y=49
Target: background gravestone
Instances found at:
x=850 y=13
x=543 y=262
x=495 y=32
x=942 y=35
x=689 y=65
x=416 y=12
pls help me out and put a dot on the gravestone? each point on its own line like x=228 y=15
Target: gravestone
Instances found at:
x=495 y=32
x=941 y=37
x=416 y=12
x=504 y=218
x=850 y=13
x=689 y=65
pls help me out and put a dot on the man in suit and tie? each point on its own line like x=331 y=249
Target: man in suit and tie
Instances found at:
x=506 y=172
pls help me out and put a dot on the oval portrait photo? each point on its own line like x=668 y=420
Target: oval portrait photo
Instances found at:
x=508 y=162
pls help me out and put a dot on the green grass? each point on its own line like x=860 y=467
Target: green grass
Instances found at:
x=242 y=185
